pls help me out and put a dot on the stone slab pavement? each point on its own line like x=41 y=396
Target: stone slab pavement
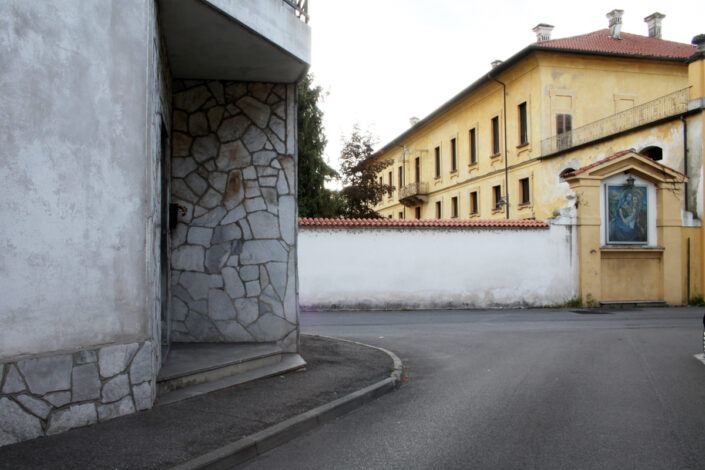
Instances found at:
x=182 y=433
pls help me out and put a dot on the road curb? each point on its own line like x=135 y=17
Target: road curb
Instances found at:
x=256 y=444
x=700 y=357
x=396 y=370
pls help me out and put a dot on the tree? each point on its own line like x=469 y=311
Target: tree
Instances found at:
x=361 y=187
x=314 y=199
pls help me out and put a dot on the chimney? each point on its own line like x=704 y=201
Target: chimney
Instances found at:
x=413 y=120
x=654 y=22
x=543 y=32
x=615 y=17
x=495 y=63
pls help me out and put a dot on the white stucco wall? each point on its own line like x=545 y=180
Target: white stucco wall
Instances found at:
x=695 y=165
x=73 y=168
x=426 y=268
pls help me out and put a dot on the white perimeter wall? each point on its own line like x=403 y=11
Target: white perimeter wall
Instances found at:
x=434 y=268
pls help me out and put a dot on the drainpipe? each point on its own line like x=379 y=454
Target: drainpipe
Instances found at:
x=685 y=157
x=402 y=183
x=688 y=274
x=506 y=147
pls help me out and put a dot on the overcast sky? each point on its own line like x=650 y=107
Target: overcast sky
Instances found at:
x=383 y=61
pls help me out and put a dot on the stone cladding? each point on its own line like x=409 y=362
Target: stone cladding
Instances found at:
x=51 y=394
x=233 y=174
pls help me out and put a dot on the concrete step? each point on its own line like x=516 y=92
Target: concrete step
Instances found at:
x=192 y=369
x=634 y=303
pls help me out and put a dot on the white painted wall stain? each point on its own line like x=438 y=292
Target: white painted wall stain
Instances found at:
x=695 y=165
x=424 y=268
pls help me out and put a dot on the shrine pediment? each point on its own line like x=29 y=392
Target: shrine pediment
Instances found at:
x=627 y=161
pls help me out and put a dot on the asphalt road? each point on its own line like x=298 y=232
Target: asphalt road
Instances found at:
x=543 y=389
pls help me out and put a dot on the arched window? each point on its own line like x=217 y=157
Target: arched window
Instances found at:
x=565 y=172
x=654 y=152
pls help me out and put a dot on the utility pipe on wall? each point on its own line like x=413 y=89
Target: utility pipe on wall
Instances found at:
x=685 y=158
x=402 y=183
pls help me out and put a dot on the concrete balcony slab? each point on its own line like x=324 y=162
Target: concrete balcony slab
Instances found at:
x=262 y=41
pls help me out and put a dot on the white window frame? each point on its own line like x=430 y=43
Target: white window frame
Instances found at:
x=618 y=180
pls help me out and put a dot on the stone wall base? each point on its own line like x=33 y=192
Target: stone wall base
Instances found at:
x=47 y=395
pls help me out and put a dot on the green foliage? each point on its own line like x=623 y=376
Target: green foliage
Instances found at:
x=361 y=191
x=580 y=200
x=697 y=301
x=314 y=199
x=574 y=303
x=590 y=301
x=361 y=188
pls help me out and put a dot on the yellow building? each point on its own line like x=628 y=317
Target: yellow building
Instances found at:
x=509 y=135
x=502 y=147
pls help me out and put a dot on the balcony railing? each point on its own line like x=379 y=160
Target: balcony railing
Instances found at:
x=669 y=105
x=300 y=7
x=413 y=194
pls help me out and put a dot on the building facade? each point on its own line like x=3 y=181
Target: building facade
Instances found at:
x=502 y=147
x=497 y=149
x=149 y=181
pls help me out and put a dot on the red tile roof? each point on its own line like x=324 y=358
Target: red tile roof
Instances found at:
x=597 y=42
x=597 y=163
x=385 y=222
x=600 y=42
x=615 y=156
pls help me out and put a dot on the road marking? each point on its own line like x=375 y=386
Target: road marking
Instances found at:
x=700 y=357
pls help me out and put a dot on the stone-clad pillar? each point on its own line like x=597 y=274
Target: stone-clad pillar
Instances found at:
x=234 y=177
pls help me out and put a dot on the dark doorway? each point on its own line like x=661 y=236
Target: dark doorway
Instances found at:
x=565 y=172
x=654 y=152
x=164 y=244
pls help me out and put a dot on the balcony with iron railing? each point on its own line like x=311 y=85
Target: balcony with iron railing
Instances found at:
x=300 y=8
x=663 y=107
x=413 y=194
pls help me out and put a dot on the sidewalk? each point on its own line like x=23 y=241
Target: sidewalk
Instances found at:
x=175 y=434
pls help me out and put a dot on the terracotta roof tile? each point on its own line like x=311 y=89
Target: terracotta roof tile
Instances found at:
x=597 y=42
x=597 y=163
x=630 y=44
x=613 y=157
x=445 y=223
